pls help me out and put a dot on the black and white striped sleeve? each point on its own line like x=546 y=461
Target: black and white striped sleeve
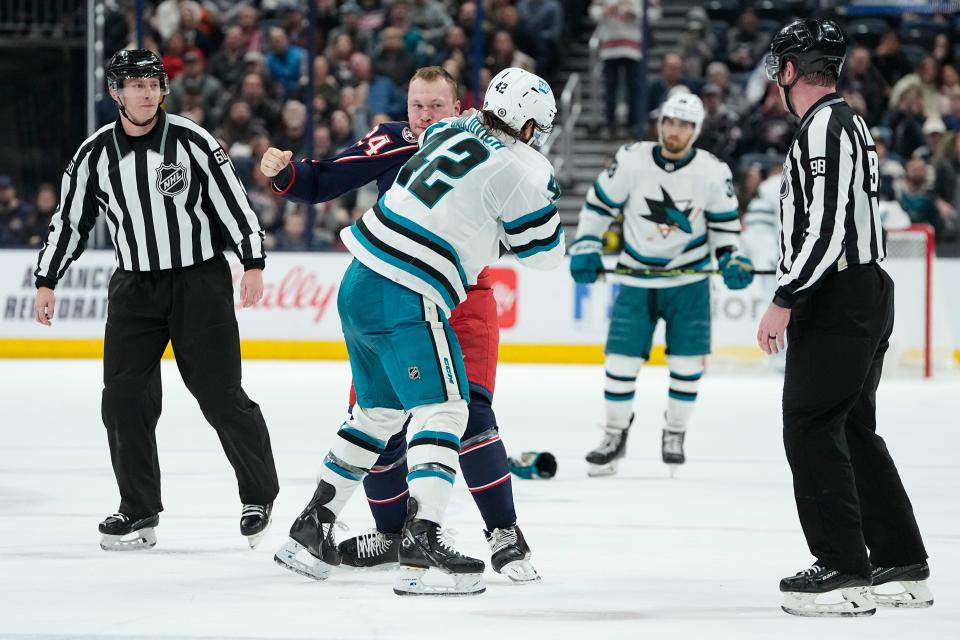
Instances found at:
x=74 y=218
x=228 y=199
x=823 y=168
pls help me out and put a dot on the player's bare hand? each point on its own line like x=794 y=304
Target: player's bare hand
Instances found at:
x=274 y=160
x=43 y=306
x=772 y=333
x=251 y=287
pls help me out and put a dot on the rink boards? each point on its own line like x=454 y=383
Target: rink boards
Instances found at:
x=544 y=316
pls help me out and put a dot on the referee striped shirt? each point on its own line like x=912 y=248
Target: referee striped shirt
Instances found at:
x=171 y=199
x=828 y=200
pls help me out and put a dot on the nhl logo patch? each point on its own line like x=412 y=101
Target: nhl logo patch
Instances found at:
x=408 y=135
x=414 y=373
x=171 y=179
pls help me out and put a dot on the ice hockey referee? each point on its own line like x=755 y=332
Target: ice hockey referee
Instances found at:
x=172 y=202
x=835 y=305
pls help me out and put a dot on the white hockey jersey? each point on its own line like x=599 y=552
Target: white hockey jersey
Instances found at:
x=452 y=205
x=675 y=214
x=761 y=224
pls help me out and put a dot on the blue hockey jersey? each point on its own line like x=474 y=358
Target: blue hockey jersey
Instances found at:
x=377 y=156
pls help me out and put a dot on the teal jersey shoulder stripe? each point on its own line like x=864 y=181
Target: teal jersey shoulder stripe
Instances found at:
x=721 y=216
x=558 y=237
x=428 y=236
x=519 y=222
x=403 y=266
x=607 y=200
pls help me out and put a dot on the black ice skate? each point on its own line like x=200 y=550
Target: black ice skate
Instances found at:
x=605 y=459
x=901 y=586
x=311 y=549
x=255 y=520
x=371 y=550
x=424 y=547
x=511 y=554
x=822 y=592
x=123 y=533
x=671 y=449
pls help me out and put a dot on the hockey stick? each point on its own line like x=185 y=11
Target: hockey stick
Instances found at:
x=626 y=271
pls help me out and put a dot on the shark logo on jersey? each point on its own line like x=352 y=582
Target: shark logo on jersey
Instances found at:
x=171 y=179
x=669 y=214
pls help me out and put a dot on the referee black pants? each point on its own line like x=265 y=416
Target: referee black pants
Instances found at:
x=192 y=308
x=849 y=494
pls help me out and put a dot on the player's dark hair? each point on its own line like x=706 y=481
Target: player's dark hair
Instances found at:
x=494 y=125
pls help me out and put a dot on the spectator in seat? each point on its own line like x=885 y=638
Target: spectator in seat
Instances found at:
x=504 y=53
x=718 y=73
x=542 y=23
x=618 y=30
x=889 y=58
x=253 y=91
x=432 y=18
x=720 y=131
x=14 y=214
x=952 y=114
x=286 y=62
x=924 y=77
x=921 y=202
x=671 y=75
x=746 y=44
x=239 y=130
x=393 y=59
x=293 y=127
x=861 y=76
x=247 y=17
x=906 y=121
x=37 y=223
x=947 y=164
x=207 y=90
x=227 y=64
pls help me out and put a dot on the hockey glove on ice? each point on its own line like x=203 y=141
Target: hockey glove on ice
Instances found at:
x=533 y=464
x=737 y=270
x=585 y=261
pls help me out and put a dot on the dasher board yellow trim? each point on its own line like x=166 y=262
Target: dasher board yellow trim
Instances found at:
x=336 y=350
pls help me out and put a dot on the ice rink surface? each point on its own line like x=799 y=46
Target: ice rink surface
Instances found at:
x=635 y=556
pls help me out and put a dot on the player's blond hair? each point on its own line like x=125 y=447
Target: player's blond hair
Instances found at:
x=435 y=74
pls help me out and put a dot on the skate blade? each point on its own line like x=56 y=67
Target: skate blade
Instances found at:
x=603 y=470
x=520 y=571
x=911 y=595
x=133 y=541
x=841 y=603
x=256 y=538
x=293 y=556
x=410 y=582
x=385 y=567
x=672 y=468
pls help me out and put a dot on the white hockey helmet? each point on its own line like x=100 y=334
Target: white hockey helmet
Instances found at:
x=517 y=96
x=683 y=106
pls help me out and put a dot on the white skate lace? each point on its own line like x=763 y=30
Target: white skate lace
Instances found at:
x=253 y=510
x=446 y=539
x=610 y=442
x=502 y=538
x=372 y=544
x=122 y=517
x=815 y=569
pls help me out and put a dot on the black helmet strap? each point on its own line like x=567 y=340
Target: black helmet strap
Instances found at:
x=787 y=87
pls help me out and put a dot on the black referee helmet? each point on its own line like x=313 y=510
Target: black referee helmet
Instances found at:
x=136 y=63
x=813 y=45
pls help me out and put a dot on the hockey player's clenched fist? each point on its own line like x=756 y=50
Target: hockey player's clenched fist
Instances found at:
x=274 y=160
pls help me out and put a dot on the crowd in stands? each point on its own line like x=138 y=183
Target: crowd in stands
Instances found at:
x=240 y=69
x=901 y=75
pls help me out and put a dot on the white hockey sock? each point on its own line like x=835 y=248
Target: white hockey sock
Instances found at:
x=619 y=388
x=358 y=444
x=433 y=456
x=685 y=374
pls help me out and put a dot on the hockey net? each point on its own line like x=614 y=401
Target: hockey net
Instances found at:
x=921 y=342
